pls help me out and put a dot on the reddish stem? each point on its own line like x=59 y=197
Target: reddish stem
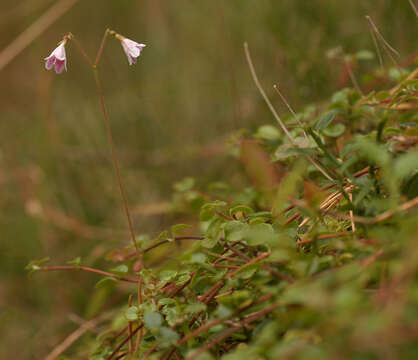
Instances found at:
x=100 y=51
x=230 y=331
x=80 y=48
x=238 y=252
x=116 y=165
x=124 y=341
x=323 y=237
x=217 y=321
x=85 y=268
x=162 y=242
x=252 y=261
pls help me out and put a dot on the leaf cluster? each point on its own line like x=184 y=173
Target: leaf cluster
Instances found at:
x=313 y=268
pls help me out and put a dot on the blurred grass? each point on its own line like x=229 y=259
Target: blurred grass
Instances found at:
x=170 y=115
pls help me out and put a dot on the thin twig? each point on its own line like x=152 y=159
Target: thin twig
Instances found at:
x=162 y=242
x=323 y=237
x=140 y=301
x=225 y=266
x=121 y=355
x=177 y=238
x=263 y=94
x=84 y=268
x=353 y=225
x=217 y=321
x=227 y=333
x=150 y=351
x=290 y=110
x=238 y=252
x=380 y=36
x=273 y=110
x=293 y=217
x=411 y=76
x=174 y=294
x=124 y=342
x=131 y=340
x=170 y=352
x=376 y=46
x=381 y=217
x=304 y=222
x=222 y=258
x=70 y=339
x=388 y=48
x=352 y=77
x=180 y=288
x=251 y=262
x=371 y=259
x=117 y=335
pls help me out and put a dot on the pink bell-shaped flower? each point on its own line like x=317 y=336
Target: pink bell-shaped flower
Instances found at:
x=132 y=49
x=58 y=58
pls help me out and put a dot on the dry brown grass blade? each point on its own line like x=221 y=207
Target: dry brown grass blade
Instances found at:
x=414 y=8
x=273 y=110
x=74 y=336
x=386 y=46
x=353 y=225
x=381 y=217
x=276 y=87
x=62 y=221
x=411 y=76
x=34 y=30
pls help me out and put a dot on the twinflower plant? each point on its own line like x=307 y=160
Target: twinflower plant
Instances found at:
x=132 y=49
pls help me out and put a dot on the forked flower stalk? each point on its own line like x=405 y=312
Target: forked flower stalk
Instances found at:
x=116 y=163
x=58 y=59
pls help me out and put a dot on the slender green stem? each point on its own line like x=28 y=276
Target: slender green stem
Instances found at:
x=115 y=163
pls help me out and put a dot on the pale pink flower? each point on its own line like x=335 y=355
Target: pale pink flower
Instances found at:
x=58 y=59
x=132 y=49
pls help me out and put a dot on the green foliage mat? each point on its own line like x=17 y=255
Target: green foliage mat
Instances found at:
x=317 y=260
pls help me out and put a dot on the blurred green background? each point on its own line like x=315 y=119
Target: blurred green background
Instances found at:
x=170 y=116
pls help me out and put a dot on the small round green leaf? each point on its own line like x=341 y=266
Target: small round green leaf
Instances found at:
x=153 y=320
x=131 y=314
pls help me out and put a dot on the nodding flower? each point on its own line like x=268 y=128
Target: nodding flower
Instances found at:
x=132 y=49
x=58 y=58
